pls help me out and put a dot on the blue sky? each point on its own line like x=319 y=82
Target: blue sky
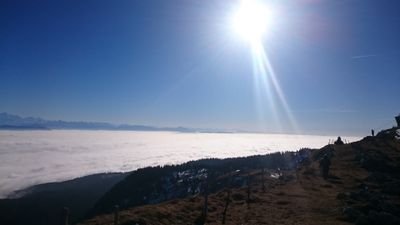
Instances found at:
x=178 y=63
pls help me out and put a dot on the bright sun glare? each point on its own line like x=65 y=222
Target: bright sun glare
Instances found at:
x=251 y=20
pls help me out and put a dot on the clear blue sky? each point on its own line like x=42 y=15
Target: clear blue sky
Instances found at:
x=177 y=63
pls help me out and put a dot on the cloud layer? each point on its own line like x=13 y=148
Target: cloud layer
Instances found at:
x=33 y=157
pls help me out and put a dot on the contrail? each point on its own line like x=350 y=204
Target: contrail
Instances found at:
x=363 y=56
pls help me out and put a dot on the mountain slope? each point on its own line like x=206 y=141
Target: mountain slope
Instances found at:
x=363 y=188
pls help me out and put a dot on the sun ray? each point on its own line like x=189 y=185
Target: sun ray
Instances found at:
x=260 y=92
x=262 y=85
x=251 y=21
x=275 y=84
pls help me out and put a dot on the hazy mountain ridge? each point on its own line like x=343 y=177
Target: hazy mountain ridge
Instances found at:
x=23 y=127
x=15 y=122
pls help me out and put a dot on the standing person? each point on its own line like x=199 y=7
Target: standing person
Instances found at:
x=373 y=132
x=325 y=163
x=339 y=141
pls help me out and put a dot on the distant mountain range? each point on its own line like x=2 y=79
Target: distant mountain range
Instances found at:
x=15 y=122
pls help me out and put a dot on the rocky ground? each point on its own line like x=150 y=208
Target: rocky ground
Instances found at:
x=363 y=188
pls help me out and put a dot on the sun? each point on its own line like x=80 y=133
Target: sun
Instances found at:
x=251 y=20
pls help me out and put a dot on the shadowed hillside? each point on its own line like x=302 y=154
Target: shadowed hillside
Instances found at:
x=362 y=188
x=42 y=204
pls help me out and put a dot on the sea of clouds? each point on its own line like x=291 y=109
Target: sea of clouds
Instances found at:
x=33 y=157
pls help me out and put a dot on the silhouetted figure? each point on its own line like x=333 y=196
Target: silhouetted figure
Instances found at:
x=325 y=163
x=373 y=132
x=398 y=120
x=339 y=141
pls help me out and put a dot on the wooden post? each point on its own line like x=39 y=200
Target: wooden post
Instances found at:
x=116 y=215
x=231 y=177
x=228 y=199
x=263 y=179
x=248 y=190
x=65 y=216
x=205 y=209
